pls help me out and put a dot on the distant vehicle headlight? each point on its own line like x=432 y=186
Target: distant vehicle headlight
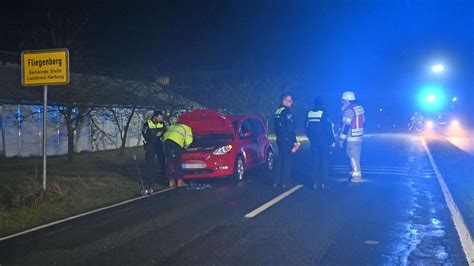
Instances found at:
x=222 y=150
x=429 y=124
x=455 y=123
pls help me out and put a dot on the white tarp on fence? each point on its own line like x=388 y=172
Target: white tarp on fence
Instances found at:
x=21 y=129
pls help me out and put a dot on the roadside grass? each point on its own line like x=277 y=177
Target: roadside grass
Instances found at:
x=91 y=181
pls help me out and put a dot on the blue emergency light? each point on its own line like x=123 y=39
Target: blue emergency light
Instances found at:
x=432 y=98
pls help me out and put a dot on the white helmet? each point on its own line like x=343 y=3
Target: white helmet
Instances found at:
x=348 y=96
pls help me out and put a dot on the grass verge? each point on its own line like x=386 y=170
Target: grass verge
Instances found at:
x=91 y=181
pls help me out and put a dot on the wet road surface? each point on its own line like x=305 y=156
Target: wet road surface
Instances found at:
x=464 y=141
x=396 y=216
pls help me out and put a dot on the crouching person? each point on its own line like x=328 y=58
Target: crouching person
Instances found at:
x=177 y=138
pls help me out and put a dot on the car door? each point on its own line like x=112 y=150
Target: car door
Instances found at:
x=248 y=143
x=261 y=138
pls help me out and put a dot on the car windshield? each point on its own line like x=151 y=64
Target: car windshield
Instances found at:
x=210 y=141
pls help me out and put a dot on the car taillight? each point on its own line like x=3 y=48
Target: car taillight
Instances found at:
x=222 y=150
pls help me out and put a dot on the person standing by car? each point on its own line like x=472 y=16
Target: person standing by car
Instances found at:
x=285 y=138
x=319 y=130
x=177 y=138
x=152 y=132
x=352 y=131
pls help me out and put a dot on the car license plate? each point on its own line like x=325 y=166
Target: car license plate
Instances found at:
x=193 y=165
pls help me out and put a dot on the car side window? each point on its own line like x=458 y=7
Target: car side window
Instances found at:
x=245 y=127
x=257 y=127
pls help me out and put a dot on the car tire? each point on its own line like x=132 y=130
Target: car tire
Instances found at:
x=269 y=161
x=239 y=169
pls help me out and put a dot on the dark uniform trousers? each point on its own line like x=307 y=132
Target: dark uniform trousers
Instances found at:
x=320 y=155
x=285 y=162
x=174 y=152
x=152 y=150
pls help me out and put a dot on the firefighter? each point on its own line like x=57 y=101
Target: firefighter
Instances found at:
x=177 y=138
x=152 y=132
x=319 y=130
x=285 y=139
x=352 y=131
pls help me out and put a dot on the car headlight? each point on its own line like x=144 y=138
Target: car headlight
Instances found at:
x=222 y=150
x=429 y=124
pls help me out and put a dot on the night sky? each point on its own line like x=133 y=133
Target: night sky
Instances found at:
x=359 y=44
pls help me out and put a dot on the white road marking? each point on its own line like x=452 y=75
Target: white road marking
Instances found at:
x=81 y=215
x=461 y=228
x=378 y=167
x=374 y=173
x=272 y=202
x=372 y=169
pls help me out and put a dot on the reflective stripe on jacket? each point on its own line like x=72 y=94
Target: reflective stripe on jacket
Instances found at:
x=319 y=128
x=150 y=130
x=153 y=125
x=181 y=134
x=358 y=121
x=353 y=119
x=314 y=116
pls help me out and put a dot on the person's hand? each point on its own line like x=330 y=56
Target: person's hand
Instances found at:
x=158 y=134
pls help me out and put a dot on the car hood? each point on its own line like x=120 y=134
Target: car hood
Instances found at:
x=207 y=121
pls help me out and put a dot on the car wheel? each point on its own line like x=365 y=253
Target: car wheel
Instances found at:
x=270 y=160
x=239 y=169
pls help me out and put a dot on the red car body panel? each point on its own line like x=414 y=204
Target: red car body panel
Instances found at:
x=199 y=162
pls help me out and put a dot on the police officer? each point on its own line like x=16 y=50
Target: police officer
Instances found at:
x=177 y=138
x=285 y=138
x=352 y=131
x=319 y=130
x=152 y=131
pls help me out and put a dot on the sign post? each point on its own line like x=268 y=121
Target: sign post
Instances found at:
x=43 y=68
x=45 y=116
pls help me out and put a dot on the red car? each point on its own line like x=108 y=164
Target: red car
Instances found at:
x=225 y=145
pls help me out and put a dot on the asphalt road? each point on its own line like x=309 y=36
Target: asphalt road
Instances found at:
x=464 y=142
x=396 y=216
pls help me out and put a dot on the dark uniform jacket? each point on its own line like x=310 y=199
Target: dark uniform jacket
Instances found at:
x=284 y=126
x=149 y=131
x=319 y=128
